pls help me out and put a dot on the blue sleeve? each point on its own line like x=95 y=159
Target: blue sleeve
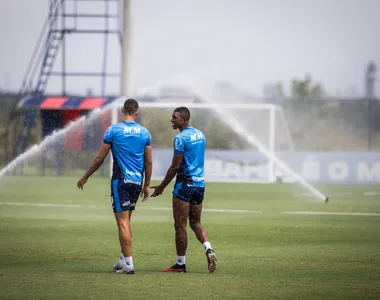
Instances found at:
x=148 y=139
x=108 y=136
x=179 y=145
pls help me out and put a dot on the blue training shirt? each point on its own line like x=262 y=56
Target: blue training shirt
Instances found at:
x=191 y=142
x=128 y=141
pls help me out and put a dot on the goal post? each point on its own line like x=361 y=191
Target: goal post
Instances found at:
x=264 y=122
x=271 y=148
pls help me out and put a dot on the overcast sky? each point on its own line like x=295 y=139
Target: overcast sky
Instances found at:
x=250 y=42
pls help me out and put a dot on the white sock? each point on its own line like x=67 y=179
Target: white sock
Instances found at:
x=181 y=260
x=207 y=246
x=128 y=261
x=121 y=257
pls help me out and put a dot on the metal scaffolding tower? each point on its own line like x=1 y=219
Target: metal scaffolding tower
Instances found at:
x=66 y=18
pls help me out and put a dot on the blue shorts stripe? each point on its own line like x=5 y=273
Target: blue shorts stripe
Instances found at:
x=116 y=197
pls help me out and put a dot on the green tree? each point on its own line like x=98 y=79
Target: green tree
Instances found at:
x=306 y=89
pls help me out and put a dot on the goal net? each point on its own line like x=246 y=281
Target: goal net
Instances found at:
x=243 y=140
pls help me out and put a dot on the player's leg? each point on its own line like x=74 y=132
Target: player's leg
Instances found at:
x=125 y=237
x=195 y=214
x=180 y=215
x=124 y=198
x=119 y=265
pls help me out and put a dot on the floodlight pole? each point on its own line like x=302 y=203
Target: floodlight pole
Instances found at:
x=370 y=94
x=125 y=54
x=125 y=58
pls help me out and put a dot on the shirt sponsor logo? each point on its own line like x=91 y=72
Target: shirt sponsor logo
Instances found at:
x=132 y=181
x=196 y=137
x=132 y=130
x=132 y=173
x=197 y=178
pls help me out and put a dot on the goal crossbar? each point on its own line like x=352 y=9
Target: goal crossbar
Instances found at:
x=207 y=105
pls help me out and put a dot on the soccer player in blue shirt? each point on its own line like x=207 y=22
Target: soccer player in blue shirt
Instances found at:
x=130 y=144
x=188 y=164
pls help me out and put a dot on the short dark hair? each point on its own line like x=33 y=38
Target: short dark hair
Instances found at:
x=184 y=111
x=130 y=106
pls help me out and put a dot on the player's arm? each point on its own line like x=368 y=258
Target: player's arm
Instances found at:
x=97 y=162
x=147 y=171
x=148 y=162
x=173 y=169
x=170 y=174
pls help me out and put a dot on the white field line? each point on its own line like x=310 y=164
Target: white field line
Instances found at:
x=371 y=193
x=47 y=204
x=241 y=211
x=329 y=195
x=236 y=211
x=326 y=213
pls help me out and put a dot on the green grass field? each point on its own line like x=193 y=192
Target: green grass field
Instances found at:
x=58 y=242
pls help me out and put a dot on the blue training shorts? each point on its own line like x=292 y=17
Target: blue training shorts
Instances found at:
x=124 y=194
x=188 y=192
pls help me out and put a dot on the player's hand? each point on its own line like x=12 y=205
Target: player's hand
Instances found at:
x=158 y=189
x=145 y=193
x=81 y=182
